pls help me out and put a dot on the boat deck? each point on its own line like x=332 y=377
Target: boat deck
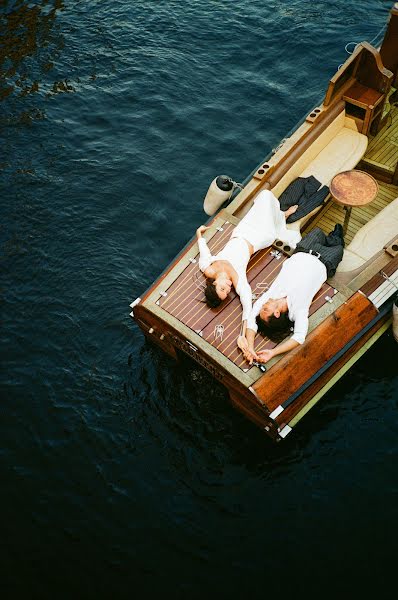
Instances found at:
x=220 y=327
x=382 y=155
x=333 y=213
x=382 y=150
x=183 y=298
x=352 y=309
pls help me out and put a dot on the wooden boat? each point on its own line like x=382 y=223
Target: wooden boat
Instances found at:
x=355 y=127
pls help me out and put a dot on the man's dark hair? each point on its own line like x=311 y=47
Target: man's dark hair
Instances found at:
x=212 y=298
x=275 y=328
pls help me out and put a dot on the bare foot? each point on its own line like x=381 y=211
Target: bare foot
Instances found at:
x=291 y=210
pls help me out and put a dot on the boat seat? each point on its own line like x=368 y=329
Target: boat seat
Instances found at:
x=371 y=238
x=342 y=153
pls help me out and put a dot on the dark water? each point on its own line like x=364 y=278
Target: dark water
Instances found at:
x=123 y=473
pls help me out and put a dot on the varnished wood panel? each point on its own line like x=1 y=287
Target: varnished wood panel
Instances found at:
x=294 y=408
x=296 y=367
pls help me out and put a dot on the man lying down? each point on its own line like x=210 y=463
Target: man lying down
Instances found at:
x=285 y=306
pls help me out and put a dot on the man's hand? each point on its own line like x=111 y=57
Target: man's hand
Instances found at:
x=248 y=353
x=265 y=355
x=200 y=230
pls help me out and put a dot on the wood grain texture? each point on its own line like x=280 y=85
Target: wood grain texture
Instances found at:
x=294 y=408
x=297 y=366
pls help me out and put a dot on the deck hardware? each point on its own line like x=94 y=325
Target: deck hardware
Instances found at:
x=194 y=348
x=151 y=330
x=219 y=229
x=328 y=299
x=385 y=290
x=157 y=302
x=276 y=412
x=276 y=254
x=266 y=428
x=388 y=279
x=163 y=293
x=260 y=288
x=162 y=337
x=283 y=432
x=192 y=260
x=218 y=332
x=199 y=332
x=260 y=366
x=134 y=303
x=279 y=146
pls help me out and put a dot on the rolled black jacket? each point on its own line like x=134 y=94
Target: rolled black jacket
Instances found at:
x=307 y=192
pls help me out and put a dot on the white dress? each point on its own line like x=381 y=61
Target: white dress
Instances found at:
x=261 y=226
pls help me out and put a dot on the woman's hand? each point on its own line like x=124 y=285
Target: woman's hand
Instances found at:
x=249 y=354
x=200 y=230
x=265 y=355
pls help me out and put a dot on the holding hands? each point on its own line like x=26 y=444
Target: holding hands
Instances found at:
x=250 y=355
x=265 y=355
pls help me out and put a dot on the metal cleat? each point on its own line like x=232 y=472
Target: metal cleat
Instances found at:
x=218 y=332
x=260 y=366
x=260 y=289
x=387 y=278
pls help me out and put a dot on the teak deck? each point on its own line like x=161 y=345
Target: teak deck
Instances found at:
x=220 y=327
x=345 y=319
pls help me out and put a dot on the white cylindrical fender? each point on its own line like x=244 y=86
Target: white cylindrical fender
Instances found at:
x=395 y=320
x=219 y=191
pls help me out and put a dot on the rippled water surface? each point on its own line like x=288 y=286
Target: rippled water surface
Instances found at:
x=124 y=473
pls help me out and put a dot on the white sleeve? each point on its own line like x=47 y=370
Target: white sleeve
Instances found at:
x=300 y=326
x=245 y=294
x=255 y=311
x=204 y=254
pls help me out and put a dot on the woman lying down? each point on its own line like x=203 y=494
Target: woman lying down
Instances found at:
x=259 y=228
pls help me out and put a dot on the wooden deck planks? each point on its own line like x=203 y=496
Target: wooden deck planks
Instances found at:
x=382 y=150
x=221 y=326
x=334 y=213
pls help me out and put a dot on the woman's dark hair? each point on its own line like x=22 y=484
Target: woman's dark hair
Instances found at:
x=212 y=298
x=275 y=328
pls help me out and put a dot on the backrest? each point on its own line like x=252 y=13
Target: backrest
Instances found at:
x=371 y=238
x=308 y=155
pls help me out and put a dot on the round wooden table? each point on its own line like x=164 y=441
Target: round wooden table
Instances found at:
x=353 y=188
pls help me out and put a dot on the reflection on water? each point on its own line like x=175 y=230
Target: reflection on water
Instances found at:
x=30 y=43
